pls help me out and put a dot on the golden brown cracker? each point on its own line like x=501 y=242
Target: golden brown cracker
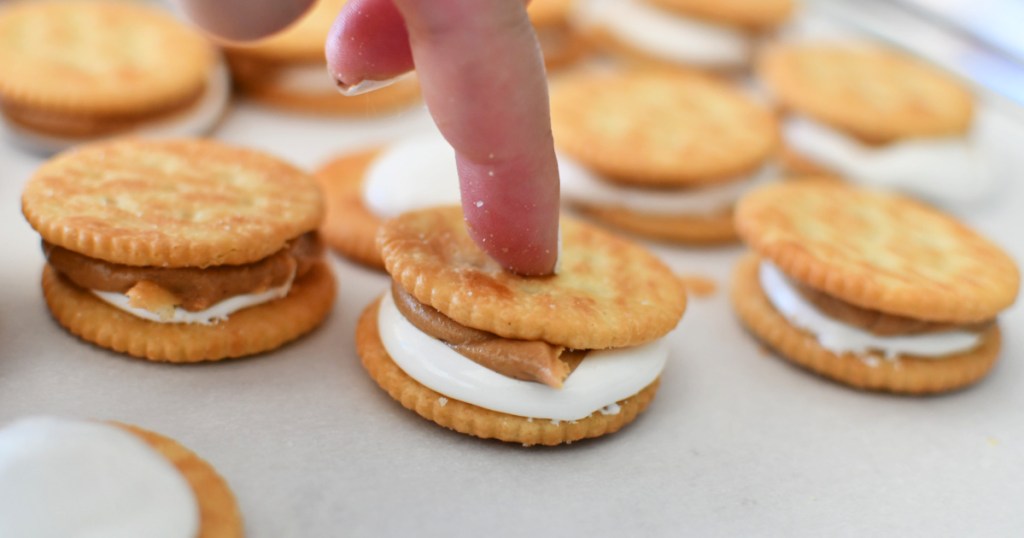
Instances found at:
x=98 y=58
x=608 y=292
x=259 y=80
x=545 y=13
x=878 y=251
x=350 y=227
x=477 y=421
x=754 y=14
x=175 y=203
x=303 y=41
x=907 y=375
x=689 y=229
x=876 y=95
x=253 y=330
x=660 y=127
x=219 y=516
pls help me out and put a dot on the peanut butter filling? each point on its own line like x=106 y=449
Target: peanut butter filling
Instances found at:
x=875 y=322
x=536 y=361
x=190 y=288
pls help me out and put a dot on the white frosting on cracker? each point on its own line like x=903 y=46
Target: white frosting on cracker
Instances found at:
x=666 y=35
x=414 y=173
x=63 y=478
x=602 y=379
x=948 y=170
x=584 y=186
x=199 y=119
x=840 y=338
x=216 y=313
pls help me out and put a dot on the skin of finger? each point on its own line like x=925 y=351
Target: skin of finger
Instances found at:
x=482 y=76
x=368 y=41
x=244 y=20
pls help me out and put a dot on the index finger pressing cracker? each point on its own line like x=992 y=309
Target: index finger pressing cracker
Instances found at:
x=180 y=251
x=872 y=290
x=531 y=360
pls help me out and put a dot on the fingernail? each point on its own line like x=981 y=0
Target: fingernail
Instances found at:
x=363 y=86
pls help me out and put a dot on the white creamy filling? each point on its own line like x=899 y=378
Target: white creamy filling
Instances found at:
x=840 y=338
x=411 y=174
x=602 y=379
x=583 y=186
x=214 y=314
x=199 y=119
x=666 y=35
x=63 y=478
x=947 y=170
x=307 y=79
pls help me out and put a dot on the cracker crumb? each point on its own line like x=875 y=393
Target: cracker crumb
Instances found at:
x=442 y=401
x=699 y=285
x=480 y=203
x=611 y=409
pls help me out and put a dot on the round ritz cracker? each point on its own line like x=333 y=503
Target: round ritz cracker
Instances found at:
x=177 y=204
x=219 y=516
x=607 y=293
x=885 y=254
x=559 y=42
x=750 y=14
x=258 y=68
x=659 y=129
x=350 y=227
x=92 y=68
x=874 y=94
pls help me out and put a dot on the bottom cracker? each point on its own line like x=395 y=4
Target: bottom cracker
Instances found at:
x=477 y=421
x=218 y=511
x=906 y=375
x=700 y=230
x=350 y=227
x=247 y=332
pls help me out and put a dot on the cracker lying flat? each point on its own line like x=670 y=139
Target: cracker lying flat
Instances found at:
x=877 y=95
x=878 y=251
x=218 y=511
x=907 y=375
x=350 y=227
x=660 y=127
x=184 y=203
x=608 y=292
x=477 y=421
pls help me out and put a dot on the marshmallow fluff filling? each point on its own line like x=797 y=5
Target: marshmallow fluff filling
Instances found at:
x=602 y=379
x=581 y=185
x=948 y=170
x=667 y=35
x=840 y=338
x=64 y=478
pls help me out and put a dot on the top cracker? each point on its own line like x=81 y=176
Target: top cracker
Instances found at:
x=179 y=203
x=878 y=251
x=607 y=292
x=660 y=128
x=876 y=94
x=98 y=57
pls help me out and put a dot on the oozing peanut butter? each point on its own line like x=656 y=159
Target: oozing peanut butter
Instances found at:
x=875 y=322
x=192 y=288
x=519 y=359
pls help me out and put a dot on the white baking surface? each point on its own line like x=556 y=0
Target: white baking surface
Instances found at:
x=737 y=443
